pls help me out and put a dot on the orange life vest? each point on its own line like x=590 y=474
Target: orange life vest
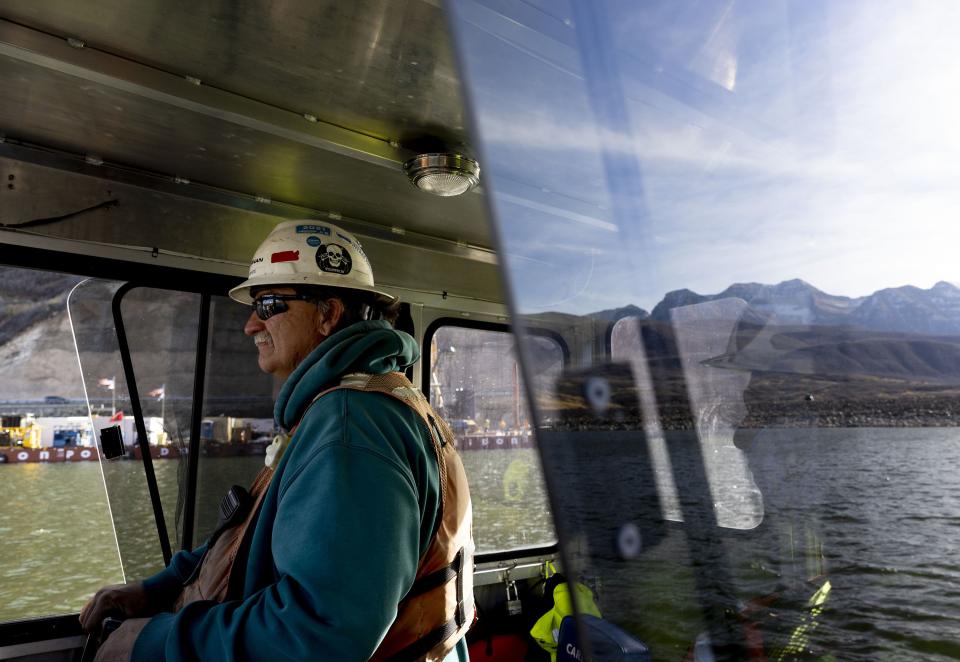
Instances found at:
x=438 y=609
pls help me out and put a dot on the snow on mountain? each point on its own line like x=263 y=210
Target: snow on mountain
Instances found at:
x=906 y=309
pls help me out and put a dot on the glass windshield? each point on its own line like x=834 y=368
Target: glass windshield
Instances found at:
x=237 y=424
x=163 y=366
x=236 y=421
x=739 y=218
x=57 y=539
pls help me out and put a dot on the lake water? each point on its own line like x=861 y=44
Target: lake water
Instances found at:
x=883 y=505
x=877 y=511
x=59 y=544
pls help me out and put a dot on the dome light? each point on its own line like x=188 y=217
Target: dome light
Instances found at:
x=443 y=174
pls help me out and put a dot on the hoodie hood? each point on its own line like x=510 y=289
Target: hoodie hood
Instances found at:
x=372 y=347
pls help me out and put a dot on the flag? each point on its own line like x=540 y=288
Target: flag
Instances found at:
x=116 y=418
x=109 y=383
x=157 y=393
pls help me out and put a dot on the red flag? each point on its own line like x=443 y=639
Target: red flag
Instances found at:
x=116 y=418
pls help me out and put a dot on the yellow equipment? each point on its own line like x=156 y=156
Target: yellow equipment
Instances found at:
x=19 y=431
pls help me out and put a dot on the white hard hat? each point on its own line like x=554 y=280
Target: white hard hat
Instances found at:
x=308 y=252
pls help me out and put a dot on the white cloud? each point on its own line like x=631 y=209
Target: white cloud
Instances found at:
x=835 y=159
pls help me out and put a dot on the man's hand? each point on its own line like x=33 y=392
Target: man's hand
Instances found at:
x=119 y=645
x=126 y=600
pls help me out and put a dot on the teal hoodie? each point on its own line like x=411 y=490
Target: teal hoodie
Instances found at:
x=348 y=513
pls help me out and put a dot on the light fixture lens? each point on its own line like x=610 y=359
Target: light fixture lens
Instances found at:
x=443 y=174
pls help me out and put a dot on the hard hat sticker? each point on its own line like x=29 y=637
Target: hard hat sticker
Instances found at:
x=332 y=258
x=313 y=241
x=313 y=229
x=356 y=245
x=285 y=256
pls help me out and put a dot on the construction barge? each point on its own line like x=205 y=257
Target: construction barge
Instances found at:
x=25 y=439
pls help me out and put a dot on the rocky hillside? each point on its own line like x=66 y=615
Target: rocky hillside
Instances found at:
x=28 y=298
x=38 y=356
x=905 y=309
x=861 y=351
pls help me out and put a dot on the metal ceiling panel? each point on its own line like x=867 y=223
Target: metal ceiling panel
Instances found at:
x=90 y=103
x=379 y=67
x=156 y=226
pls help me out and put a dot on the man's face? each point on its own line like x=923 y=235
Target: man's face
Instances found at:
x=284 y=340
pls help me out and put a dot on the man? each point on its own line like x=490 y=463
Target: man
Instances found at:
x=764 y=378
x=357 y=542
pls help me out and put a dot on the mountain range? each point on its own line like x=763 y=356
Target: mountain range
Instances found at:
x=907 y=309
x=904 y=333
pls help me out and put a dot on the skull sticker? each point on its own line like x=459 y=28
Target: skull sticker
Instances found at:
x=332 y=258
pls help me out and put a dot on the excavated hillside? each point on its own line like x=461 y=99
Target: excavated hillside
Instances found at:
x=39 y=357
x=901 y=368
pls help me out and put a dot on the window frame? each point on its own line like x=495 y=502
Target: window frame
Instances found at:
x=131 y=275
x=504 y=555
x=480 y=325
x=135 y=275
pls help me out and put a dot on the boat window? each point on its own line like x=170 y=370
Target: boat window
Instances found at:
x=237 y=423
x=56 y=536
x=476 y=386
x=159 y=328
x=742 y=215
x=233 y=425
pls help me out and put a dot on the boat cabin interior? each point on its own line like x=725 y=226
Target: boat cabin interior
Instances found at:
x=147 y=149
x=550 y=188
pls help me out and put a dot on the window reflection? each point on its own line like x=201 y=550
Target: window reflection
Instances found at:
x=475 y=384
x=772 y=189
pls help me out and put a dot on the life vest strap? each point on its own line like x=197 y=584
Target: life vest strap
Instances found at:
x=437 y=578
x=425 y=644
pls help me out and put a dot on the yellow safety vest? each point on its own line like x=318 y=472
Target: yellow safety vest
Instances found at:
x=546 y=631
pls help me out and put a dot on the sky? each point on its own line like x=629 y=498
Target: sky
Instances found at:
x=660 y=145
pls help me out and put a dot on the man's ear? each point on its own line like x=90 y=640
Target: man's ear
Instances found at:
x=332 y=318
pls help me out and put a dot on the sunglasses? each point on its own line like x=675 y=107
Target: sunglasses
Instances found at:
x=273 y=304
